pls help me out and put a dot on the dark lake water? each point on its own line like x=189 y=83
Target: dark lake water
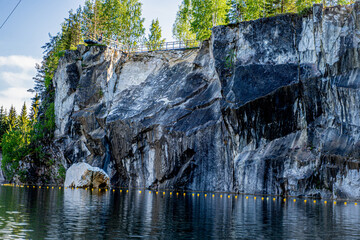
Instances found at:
x=28 y=213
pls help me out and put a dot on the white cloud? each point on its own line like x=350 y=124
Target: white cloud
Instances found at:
x=26 y=63
x=15 y=97
x=16 y=73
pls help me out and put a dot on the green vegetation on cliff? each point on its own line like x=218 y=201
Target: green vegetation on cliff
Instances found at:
x=195 y=18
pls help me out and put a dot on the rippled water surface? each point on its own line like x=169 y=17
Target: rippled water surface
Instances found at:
x=27 y=213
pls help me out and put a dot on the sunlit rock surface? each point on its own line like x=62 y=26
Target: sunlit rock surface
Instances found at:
x=82 y=175
x=270 y=106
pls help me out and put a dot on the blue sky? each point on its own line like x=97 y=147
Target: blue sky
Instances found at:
x=27 y=30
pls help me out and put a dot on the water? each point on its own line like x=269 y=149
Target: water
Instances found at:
x=27 y=213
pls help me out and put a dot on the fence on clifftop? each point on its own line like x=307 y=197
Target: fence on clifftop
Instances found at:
x=165 y=46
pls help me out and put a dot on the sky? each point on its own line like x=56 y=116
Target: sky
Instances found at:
x=28 y=29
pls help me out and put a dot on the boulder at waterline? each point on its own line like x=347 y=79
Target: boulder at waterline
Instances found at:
x=83 y=175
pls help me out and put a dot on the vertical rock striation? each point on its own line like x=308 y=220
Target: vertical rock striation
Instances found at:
x=267 y=106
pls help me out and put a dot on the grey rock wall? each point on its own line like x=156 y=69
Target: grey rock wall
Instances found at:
x=268 y=106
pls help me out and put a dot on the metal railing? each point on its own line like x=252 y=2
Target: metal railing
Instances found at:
x=146 y=47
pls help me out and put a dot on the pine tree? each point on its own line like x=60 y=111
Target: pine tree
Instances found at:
x=23 y=117
x=34 y=108
x=12 y=118
x=3 y=122
x=71 y=30
x=154 y=40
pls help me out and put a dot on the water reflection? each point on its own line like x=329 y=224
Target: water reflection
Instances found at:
x=27 y=213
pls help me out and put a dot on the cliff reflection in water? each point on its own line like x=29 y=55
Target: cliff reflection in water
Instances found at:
x=79 y=214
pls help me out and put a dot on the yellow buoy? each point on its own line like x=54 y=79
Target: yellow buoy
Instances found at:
x=52 y=187
x=149 y=192
x=355 y=204
x=177 y=193
x=273 y=199
x=235 y=197
x=254 y=198
x=325 y=202
x=334 y=202
x=314 y=201
x=294 y=200
x=127 y=190
x=170 y=193
x=39 y=186
x=221 y=196
x=205 y=195
x=120 y=190
x=85 y=188
x=163 y=193
x=157 y=192
x=47 y=187
x=213 y=195
x=105 y=189
x=228 y=196
x=66 y=188
x=305 y=201
x=262 y=199
x=247 y=197
x=33 y=186
x=184 y=194
x=99 y=189
x=193 y=194
x=72 y=188
x=345 y=203
x=28 y=186
x=140 y=191
x=59 y=187
x=198 y=194
x=113 y=190
x=267 y=198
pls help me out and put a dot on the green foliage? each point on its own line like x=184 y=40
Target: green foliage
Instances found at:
x=230 y=58
x=114 y=19
x=182 y=26
x=195 y=18
x=15 y=145
x=101 y=93
x=207 y=14
x=4 y=127
x=50 y=117
x=245 y=10
x=154 y=40
x=61 y=172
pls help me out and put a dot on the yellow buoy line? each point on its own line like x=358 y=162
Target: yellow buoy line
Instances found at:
x=196 y=194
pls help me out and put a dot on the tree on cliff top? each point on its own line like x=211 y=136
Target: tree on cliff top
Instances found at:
x=182 y=26
x=154 y=40
x=195 y=18
x=114 y=19
x=207 y=14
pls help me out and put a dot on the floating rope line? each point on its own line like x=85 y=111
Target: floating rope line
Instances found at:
x=193 y=194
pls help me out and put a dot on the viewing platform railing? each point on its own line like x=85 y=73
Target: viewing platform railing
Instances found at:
x=146 y=47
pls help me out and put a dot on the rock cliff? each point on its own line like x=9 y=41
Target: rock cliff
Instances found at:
x=270 y=106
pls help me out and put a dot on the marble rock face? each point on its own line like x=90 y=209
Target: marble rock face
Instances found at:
x=82 y=175
x=270 y=106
